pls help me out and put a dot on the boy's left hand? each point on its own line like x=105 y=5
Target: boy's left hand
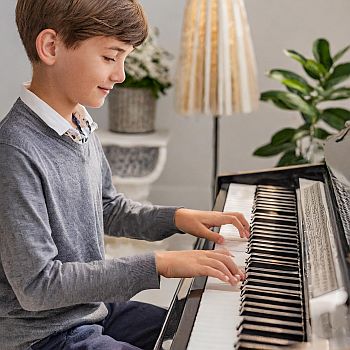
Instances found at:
x=198 y=223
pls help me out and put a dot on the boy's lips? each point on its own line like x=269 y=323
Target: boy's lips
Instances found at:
x=105 y=90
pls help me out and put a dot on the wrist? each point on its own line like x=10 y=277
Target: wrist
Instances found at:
x=178 y=218
x=159 y=260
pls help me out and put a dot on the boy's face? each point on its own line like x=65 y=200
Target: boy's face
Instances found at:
x=87 y=73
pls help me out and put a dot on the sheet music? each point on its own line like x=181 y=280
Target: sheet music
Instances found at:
x=322 y=251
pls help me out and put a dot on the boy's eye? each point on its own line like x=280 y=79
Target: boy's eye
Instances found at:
x=108 y=59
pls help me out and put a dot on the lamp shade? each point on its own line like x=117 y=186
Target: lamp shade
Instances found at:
x=216 y=72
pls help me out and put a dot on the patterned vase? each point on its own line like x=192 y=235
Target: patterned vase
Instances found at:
x=131 y=110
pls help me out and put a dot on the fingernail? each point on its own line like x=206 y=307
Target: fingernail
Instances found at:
x=221 y=240
x=227 y=278
x=234 y=281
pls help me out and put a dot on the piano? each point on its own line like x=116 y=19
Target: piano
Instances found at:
x=297 y=263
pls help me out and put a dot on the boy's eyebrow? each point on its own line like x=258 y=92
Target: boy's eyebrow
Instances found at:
x=116 y=48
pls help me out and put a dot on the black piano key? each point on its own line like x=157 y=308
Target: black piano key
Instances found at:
x=272 y=245
x=278 y=202
x=283 y=294
x=264 y=251
x=272 y=276
x=269 y=244
x=276 y=300
x=272 y=284
x=273 y=210
x=268 y=201
x=248 y=345
x=267 y=306
x=273 y=237
x=264 y=195
x=272 y=289
x=280 y=315
x=273 y=261
x=275 y=188
x=287 y=222
x=274 y=332
x=271 y=322
x=272 y=270
x=274 y=226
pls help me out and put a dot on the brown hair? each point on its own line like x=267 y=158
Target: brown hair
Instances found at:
x=78 y=20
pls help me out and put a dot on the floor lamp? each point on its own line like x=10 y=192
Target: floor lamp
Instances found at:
x=217 y=70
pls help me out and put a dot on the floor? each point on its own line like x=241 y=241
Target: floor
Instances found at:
x=118 y=247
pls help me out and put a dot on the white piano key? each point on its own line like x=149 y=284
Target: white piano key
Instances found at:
x=218 y=313
x=233 y=245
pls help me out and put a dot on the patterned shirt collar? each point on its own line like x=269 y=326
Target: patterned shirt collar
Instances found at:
x=53 y=119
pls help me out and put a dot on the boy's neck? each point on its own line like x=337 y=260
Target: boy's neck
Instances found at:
x=43 y=87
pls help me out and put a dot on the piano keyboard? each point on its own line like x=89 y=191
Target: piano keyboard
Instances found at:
x=265 y=311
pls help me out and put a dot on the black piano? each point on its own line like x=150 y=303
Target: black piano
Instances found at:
x=297 y=263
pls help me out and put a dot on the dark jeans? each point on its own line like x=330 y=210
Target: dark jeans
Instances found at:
x=128 y=326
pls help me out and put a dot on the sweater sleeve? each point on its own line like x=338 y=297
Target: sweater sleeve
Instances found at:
x=127 y=218
x=28 y=253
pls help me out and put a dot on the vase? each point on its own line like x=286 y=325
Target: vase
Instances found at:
x=131 y=110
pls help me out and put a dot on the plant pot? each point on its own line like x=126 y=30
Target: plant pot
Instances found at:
x=131 y=110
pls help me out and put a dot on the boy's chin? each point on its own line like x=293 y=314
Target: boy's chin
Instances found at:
x=96 y=104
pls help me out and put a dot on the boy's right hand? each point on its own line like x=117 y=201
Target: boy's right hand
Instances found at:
x=213 y=263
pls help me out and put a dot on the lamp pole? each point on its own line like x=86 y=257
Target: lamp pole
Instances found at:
x=216 y=143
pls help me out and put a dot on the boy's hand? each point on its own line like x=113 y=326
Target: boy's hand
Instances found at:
x=198 y=223
x=191 y=263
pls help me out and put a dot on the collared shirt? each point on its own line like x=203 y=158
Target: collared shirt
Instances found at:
x=81 y=117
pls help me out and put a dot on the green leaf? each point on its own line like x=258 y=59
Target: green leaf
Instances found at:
x=339 y=74
x=271 y=150
x=272 y=97
x=291 y=80
x=291 y=101
x=338 y=94
x=320 y=133
x=335 y=117
x=296 y=56
x=301 y=132
x=340 y=53
x=322 y=53
x=314 y=69
x=283 y=136
x=290 y=158
x=154 y=85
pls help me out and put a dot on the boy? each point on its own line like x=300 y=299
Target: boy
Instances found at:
x=56 y=289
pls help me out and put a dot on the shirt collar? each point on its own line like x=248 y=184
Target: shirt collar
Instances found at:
x=53 y=119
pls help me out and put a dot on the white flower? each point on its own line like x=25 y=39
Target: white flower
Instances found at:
x=149 y=60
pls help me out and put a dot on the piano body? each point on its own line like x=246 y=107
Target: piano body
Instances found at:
x=297 y=262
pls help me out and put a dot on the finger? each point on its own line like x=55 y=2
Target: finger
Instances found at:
x=226 y=258
x=208 y=270
x=235 y=222
x=236 y=271
x=242 y=220
x=212 y=236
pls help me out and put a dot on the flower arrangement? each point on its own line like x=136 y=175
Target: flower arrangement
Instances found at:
x=300 y=145
x=148 y=66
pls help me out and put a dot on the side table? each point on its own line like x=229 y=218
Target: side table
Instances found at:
x=136 y=160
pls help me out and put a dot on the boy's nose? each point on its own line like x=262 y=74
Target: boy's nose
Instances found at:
x=118 y=75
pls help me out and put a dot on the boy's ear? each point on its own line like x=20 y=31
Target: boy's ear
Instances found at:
x=47 y=45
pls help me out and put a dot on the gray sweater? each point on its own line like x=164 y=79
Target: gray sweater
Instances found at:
x=56 y=201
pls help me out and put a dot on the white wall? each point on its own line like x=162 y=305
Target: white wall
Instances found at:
x=275 y=25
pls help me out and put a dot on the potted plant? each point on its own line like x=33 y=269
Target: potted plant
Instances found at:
x=304 y=144
x=132 y=104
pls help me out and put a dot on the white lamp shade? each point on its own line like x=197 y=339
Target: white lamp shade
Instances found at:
x=217 y=69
